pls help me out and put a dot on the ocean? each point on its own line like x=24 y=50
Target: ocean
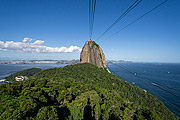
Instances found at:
x=161 y=80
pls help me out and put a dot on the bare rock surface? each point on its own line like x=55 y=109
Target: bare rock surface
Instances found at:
x=92 y=53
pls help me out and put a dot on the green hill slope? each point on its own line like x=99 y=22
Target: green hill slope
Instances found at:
x=81 y=91
x=28 y=72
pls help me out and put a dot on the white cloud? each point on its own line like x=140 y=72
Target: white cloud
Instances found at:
x=27 y=46
x=38 y=42
x=27 y=39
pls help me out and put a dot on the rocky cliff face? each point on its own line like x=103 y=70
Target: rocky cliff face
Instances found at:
x=92 y=53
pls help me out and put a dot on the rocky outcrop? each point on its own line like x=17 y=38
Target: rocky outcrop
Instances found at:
x=92 y=53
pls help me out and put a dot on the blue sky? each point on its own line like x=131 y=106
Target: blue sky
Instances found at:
x=49 y=25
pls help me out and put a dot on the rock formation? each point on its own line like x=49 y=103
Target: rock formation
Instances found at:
x=92 y=53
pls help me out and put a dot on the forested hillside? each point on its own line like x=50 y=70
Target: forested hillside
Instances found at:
x=28 y=72
x=81 y=91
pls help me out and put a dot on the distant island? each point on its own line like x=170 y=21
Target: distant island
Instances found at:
x=118 y=61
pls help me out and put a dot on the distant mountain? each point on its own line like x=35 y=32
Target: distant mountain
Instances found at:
x=75 y=92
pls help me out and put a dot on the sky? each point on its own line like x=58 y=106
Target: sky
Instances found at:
x=58 y=29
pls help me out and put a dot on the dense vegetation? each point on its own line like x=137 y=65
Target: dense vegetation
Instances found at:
x=28 y=72
x=81 y=91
